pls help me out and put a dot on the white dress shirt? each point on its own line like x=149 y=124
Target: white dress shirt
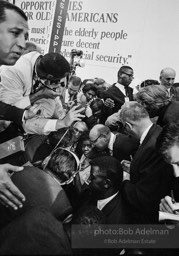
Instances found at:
x=111 y=143
x=121 y=88
x=101 y=203
x=144 y=134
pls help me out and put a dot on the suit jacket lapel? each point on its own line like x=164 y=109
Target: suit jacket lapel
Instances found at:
x=141 y=147
x=110 y=206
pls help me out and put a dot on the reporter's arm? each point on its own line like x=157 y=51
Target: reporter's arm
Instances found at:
x=11 y=113
x=43 y=93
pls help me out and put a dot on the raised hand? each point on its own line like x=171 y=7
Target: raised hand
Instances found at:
x=73 y=115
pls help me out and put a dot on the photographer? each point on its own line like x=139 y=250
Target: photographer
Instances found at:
x=75 y=53
x=70 y=94
x=94 y=113
x=37 y=79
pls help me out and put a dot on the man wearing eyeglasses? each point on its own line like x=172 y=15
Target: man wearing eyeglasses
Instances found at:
x=37 y=79
x=119 y=92
x=149 y=177
x=120 y=146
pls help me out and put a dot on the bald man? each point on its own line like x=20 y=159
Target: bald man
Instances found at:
x=167 y=79
x=119 y=145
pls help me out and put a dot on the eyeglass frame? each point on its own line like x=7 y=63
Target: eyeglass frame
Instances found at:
x=94 y=141
x=130 y=75
x=77 y=131
x=55 y=81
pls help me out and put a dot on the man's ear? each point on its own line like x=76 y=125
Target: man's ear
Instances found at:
x=107 y=183
x=129 y=124
x=119 y=76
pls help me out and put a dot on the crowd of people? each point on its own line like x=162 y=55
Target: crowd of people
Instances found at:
x=79 y=152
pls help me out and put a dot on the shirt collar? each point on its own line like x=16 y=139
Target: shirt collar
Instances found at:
x=66 y=96
x=121 y=88
x=144 y=134
x=101 y=203
x=111 y=141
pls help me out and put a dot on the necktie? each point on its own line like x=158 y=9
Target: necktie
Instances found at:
x=127 y=91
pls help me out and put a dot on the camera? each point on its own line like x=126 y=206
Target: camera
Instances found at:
x=75 y=52
x=75 y=60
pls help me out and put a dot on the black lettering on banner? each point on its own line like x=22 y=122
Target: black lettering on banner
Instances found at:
x=58 y=25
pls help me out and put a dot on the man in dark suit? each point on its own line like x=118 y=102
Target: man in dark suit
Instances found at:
x=168 y=147
x=150 y=177
x=105 y=184
x=167 y=79
x=119 y=92
x=120 y=146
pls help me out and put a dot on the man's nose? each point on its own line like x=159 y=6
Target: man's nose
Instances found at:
x=21 y=42
x=171 y=81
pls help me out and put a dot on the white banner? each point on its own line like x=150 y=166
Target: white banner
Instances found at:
x=140 y=33
x=40 y=18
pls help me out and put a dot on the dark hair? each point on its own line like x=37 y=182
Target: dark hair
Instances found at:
x=168 y=138
x=4 y=5
x=111 y=167
x=96 y=105
x=89 y=87
x=62 y=164
x=87 y=81
x=123 y=69
x=149 y=82
x=75 y=80
x=52 y=64
x=82 y=138
x=176 y=84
